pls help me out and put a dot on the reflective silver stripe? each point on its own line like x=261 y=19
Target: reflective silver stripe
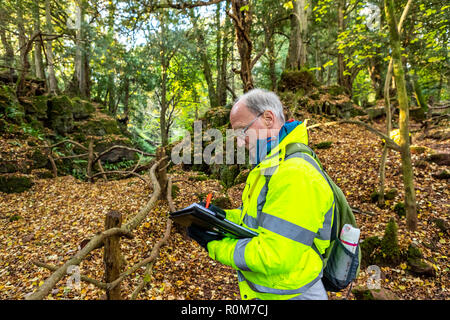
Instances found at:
x=239 y=251
x=250 y=221
x=324 y=233
x=264 y=289
x=286 y=229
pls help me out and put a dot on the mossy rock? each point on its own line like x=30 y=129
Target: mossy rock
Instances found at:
x=416 y=265
x=198 y=178
x=390 y=250
x=82 y=109
x=391 y=194
x=14 y=183
x=98 y=127
x=60 y=116
x=442 y=175
x=228 y=174
x=222 y=202
x=293 y=80
x=9 y=166
x=399 y=209
x=39 y=159
x=217 y=117
x=10 y=106
x=336 y=90
x=40 y=106
x=368 y=250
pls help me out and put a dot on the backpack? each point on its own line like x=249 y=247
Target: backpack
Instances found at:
x=341 y=266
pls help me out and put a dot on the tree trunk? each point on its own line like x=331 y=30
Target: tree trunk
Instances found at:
x=297 y=54
x=242 y=19
x=52 y=82
x=341 y=28
x=387 y=107
x=408 y=175
x=80 y=53
x=39 y=65
x=9 y=51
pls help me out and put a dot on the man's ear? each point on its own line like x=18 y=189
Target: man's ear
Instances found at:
x=269 y=118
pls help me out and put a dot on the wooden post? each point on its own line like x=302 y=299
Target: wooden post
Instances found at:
x=112 y=255
x=90 y=160
x=161 y=172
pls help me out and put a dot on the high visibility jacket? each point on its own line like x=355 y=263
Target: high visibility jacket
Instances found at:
x=290 y=204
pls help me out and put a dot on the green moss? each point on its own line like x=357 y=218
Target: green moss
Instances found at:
x=323 y=145
x=14 y=184
x=82 y=109
x=390 y=249
x=39 y=159
x=399 y=209
x=14 y=217
x=391 y=194
x=293 y=80
x=60 y=116
x=175 y=191
x=198 y=178
x=368 y=250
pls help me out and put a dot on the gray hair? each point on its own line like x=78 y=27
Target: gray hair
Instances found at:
x=260 y=100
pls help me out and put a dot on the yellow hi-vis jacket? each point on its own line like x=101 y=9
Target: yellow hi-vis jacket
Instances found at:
x=290 y=204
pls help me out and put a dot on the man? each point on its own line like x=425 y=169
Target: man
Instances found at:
x=286 y=200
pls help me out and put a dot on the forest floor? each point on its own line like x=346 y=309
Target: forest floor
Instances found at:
x=57 y=214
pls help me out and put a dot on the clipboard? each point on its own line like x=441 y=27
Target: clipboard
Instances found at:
x=204 y=218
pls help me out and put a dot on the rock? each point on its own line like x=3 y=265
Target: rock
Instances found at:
x=98 y=127
x=391 y=194
x=293 y=80
x=82 y=109
x=418 y=149
x=115 y=155
x=375 y=112
x=39 y=159
x=14 y=183
x=441 y=224
x=421 y=268
x=222 y=202
x=442 y=175
x=440 y=158
x=60 y=116
x=362 y=293
x=369 y=247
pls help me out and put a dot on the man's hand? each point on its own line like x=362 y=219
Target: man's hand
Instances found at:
x=202 y=236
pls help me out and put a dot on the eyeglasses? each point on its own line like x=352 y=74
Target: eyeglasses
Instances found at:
x=241 y=133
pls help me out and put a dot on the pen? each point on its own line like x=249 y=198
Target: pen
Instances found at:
x=208 y=200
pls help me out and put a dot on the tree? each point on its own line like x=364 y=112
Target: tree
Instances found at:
x=52 y=81
x=297 y=54
x=408 y=174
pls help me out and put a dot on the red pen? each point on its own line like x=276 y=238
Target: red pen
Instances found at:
x=208 y=200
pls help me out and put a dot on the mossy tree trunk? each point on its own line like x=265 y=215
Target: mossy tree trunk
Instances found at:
x=297 y=54
x=408 y=175
x=387 y=108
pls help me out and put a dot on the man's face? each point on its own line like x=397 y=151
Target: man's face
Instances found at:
x=240 y=118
